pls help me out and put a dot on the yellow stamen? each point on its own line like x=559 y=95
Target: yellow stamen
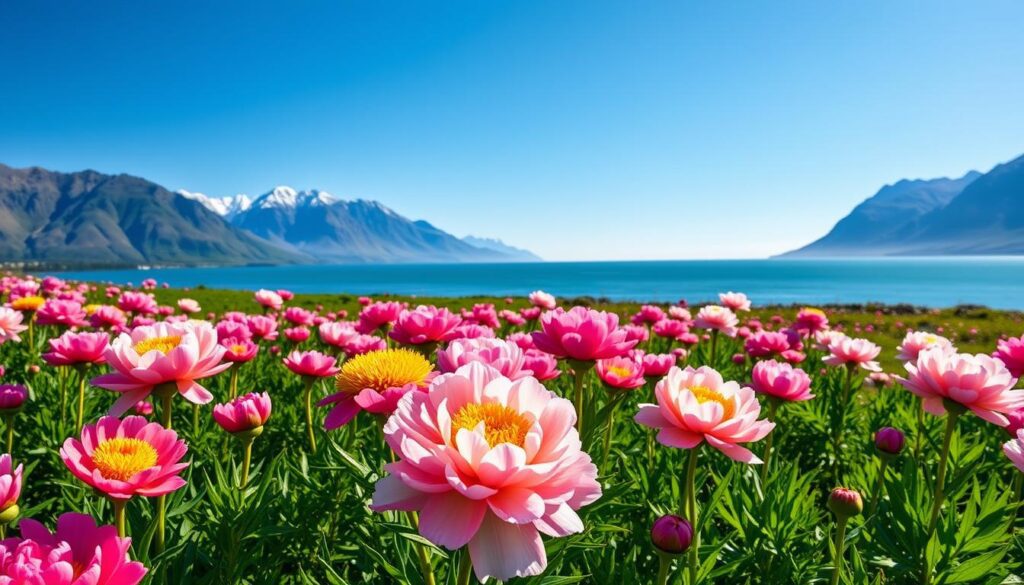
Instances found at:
x=501 y=423
x=704 y=394
x=91 y=308
x=619 y=371
x=380 y=370
x=814 y=311
x=28 y=303
x=162 y=344
x=122 y=458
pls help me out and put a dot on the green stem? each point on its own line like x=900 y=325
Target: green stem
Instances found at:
x=421 y=552
x=940 y=489
x=465 y=568
x=62 y=380
x=879 y=487
x=81 y=399
x=579 y=373
x=773 y=405
x=119 y=516
x=664 y=565
x=837 y=433
x=840 y=544
x=234 y=381
x=609 y=432
x=714 y=346
x=691 y=512
x=309 y=415
x=9 y=419
x=161 y=501
x=246 y=460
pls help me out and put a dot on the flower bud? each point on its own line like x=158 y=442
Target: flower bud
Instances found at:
x=671 y=534
x=889 y=441
x=845 y=503
x=12 y=397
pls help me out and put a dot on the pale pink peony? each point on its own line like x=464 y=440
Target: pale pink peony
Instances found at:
x=10 y=483
x=74 y=348
x=425 y=324
x=581 y=334
x=716 y=318
x=542 y=300
x=916 y=341
x=734 y=300
x=679 y=314
x=1014 y=449
x=337 y=334
x=269 y=299
x=823 y=339
x=851 y=352
x=501 y=355
x=125 y=458
x=980 y=383
x=624 y=373
x=78 y=553
x=163 y=353
x=490 y=463
x=10 y=325
x=696 y=405
x=189 y=306
x=244 y=413
x=781 y=380
x=263 y=327
x=1011 y=352
x=311 y=364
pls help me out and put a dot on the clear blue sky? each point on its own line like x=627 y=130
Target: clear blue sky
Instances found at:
x=579 y=129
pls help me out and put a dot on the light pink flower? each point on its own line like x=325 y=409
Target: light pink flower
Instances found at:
x=296 y=334
x=679 y=314
x=299 y=316
x=1014 y=449
x=781 y=380
x=489 y=463
x=696 y=405
x=10 y=482
x=505 y=357
x=425 y=324
x=137 y=302
x=163 y=353
x=979 y=383
x=581 y=334
x=10 y=325
x=125 y=458
x=269 y=299
x=73 y=348
x=244 y=413
x=543 y=365
x=847 y=351
x=263 y=327
x=311 y=364
x=337 y=334
x=811 y=321
x=108 y=317
x=916 y=341
x=734 y=300
x=622 y=372
x=189 y=306
x=716 y=318
x=78 y=553
x=542 y=300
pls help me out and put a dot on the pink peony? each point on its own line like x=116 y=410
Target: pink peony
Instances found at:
x=766 y=343
x=482 y=314
x=916 y=341
x=164 y=353
x=637 y=333
x=624 y=373
x=125 y=458
x=298 y=316
x=648 y=315
x=239 y=350
x=189 y=306
x=269 y=299
x=1014 y=450
x=10 y=483
x=337 y=334
x=489 y=463
x=810 y=321
x=530 y=313
x=505 y=357
x=657 y=365
x=78 y=553
x=1011 y=352
x=523 y=340
x=781 y=380
x=10 y=325
x=980 y=383
x=715 y=318
x=543 y=365
x=425 y=324
x=73 y=348
x=263 y=327
x=245 y=413
x=581 y=334
x=378 y=315
x=697 y=405
x=734 y=301
x=137 y=302
x=361 y=344
x=850 y=352
x=512 y=318
x=233 y=330
x=679 y=314
x=542 y=300
x=296 y=334
x=472 y=331
x=311 y=364
x=670 y=328
x=61 y=313
x=12 y=396
x=108 y=317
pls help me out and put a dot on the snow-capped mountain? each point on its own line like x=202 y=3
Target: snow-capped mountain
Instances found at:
x=226 y=207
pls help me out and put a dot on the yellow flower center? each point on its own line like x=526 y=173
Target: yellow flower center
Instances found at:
x=237 y=349
x=161 y=344
x=122 y=458
x=380 y=370
x=814 y=311
x=501 y=423
x=704 y=394
x=931 y=339
x=28 y=303
x=619 y=371
x=91 y=308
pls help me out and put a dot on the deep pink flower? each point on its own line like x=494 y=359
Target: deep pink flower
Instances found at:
x=365 y=301
x=505 y=357
x=656 y=365
x=143 y=408
x=375 y=382
x=648 y=315
x=543 y=365
x=62 y=313
x=781 y=380
x=298 y=316
x=622 y=372
x=581 y=334
x=766 y=343
x=378 y=314
x=137 y=302
x=78 y=553
x=1014 y=450
x=239 y=350
x=670 y=328
x=530 y=313
x=10 y=483
x=671 y=534
x=12 y=396
x=490 y=464
x=125 y=458
x=108 y=317
x=695 y=406
x=361 y=344
x=285 y=294
x=164 y=353
x=637 y=333
x=472 y=331
x=296 y=334
x=979 y=383
x=311 y=364
x=889 y=440
x=482 y=314
x=425 y=324
x=233 y=330
x=73 y=348
x=853 y=352
x=810 y=320
x=523 y=340
x=10 y=325
x=244 y=413
x=1016 y=421
x=512 y=318
x=734 y=300
x=263 y=327
x=1011 y=352
x=542 y=300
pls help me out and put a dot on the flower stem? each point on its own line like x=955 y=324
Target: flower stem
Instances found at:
x=81 y=399
x=879 y=487
x=839 y=545
x=309 y=415
x=940 y=489
x=691 y=512
x=465 y=568
x=714 y=346
x=234 y=381
x=664 y=565
x=421 y=552
x=119 y=516
x=773 y=405
x=161 y=501
x=246 y=460
x=62 y=379
x=837 y=433
x=9 y=420
x=579 y=373
x=609 y=432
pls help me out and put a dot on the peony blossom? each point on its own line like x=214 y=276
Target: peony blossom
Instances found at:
x=299 y=316
x=501 y=355
x=375 y=382
x=189 y=306
x=850 y=352
x=542 y=300
x=670 y=328
x=108 y=317
x=296 y=334
x=696 y=405
x=164 y=353
x=656 y=365
x=648 y=315
x=623 y=373
x=61 y=313
x=1011 y=352
x=491 y=464
x=11 y=325
x=424 y=325
x=781 y=380
x=137 y=302
x=125 y=458
x=263 y=327
x=378 y=315
x=337 y=334
x=766 y=343
x=979 y=383
x=243 y=414
x=810 y=321
x=311 y=364
x=239 y=350
x=734 y=301
x=1014 y=450
x=581 y=334
x=269 y=299
x=10 y=485
x=74 y=348
x=12 y=397
x=914 y=342
x=716 y=318
x=543 y=365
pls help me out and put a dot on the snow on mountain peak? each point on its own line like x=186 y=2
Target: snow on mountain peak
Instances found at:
x=284 y=196
x=226 y=207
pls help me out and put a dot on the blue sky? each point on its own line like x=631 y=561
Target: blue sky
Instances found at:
x=578 y=129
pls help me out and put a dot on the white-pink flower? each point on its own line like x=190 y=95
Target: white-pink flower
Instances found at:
x=853 y=352
x=914 y=342
x=734 y=300
x=716 y=318
x=10 y=325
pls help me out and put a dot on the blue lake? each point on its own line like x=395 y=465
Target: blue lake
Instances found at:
x=939 y=282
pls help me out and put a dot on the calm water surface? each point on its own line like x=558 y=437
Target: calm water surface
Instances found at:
x=941 y=282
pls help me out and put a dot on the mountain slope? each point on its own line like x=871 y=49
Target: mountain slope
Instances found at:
x=519 y=254
x=884 y=223
x=88 y=218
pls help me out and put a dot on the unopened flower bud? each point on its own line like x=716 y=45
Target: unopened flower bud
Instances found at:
x=671 y=534
x=845 y=503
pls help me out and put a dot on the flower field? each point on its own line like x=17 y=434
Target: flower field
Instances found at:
x=155 y=435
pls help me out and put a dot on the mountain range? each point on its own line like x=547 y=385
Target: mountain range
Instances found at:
x=976 y=214
x=87 y=218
